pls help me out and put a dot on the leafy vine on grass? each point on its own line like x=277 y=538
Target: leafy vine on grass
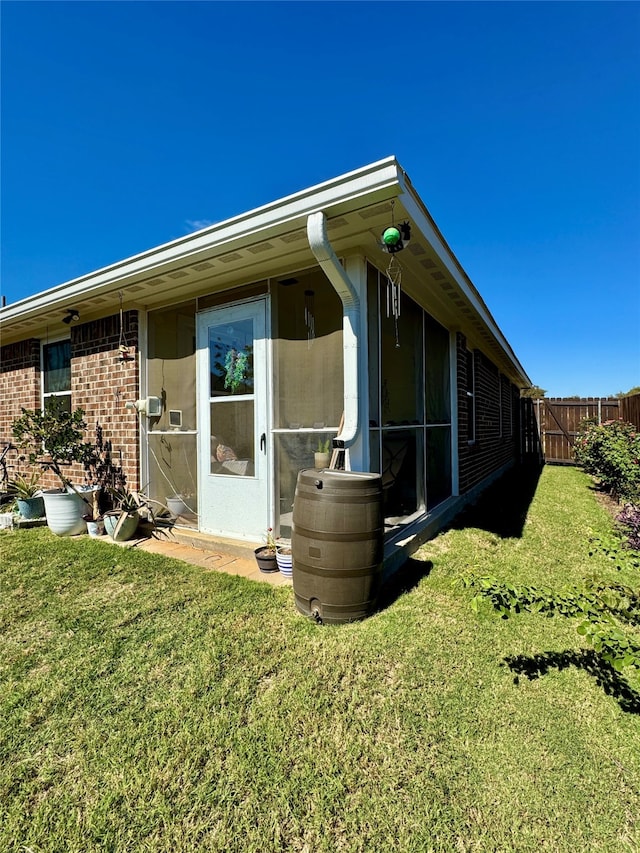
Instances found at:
x=608 y=611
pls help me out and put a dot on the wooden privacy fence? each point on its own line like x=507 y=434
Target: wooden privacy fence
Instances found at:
x=559 y=421
x=550 y=425
x=630 y=409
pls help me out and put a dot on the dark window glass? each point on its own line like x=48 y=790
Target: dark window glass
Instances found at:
x=56 y=366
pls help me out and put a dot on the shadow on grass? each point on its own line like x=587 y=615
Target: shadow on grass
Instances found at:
x=404 y=580
x=613 y=684
x=502 y=509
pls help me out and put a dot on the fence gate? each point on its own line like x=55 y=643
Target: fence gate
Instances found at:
x=559 y=421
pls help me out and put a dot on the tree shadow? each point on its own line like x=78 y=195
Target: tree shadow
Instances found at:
x=404 y=580
x=502 y=508
x=613 y=684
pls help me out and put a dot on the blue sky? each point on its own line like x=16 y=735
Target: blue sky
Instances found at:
x=125 y=125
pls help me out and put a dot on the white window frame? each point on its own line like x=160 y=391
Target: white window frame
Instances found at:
x=471 y=396
x=45 y=395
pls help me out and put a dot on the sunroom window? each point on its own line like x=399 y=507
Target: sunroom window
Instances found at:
x=409 y=405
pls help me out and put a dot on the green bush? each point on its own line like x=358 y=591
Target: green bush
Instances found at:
x=611 y=452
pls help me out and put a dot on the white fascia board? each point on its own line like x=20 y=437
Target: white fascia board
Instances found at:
x=426 y=225
x=289 y=211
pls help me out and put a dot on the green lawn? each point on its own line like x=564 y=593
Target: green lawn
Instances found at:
x=147 y=705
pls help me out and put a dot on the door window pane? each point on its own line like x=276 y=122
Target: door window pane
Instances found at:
x=232 y=438
x=231 y=358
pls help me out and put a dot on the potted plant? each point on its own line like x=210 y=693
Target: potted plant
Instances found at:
x=178 y=506
x=284 y=557
x=28 y=495
x=266 y=554
x=54 y=440
x=321 y=456
x=93 y=517
x=122 y=522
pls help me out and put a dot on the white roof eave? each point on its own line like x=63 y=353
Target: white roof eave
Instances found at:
x=279 y=216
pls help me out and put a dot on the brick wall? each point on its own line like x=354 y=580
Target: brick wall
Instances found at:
x=19 y=382
x=101 y=383
x=496 y=418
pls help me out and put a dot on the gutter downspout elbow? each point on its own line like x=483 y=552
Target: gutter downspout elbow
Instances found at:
x=342 y=284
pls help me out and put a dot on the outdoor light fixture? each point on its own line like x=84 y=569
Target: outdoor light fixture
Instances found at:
x=72 y=315
x=395 y=238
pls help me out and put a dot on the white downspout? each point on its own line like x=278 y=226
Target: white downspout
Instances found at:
x=342 y=284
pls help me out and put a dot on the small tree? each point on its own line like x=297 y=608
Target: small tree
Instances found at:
x=53 y=438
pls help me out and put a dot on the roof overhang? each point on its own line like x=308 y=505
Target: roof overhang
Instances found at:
x=270 y=241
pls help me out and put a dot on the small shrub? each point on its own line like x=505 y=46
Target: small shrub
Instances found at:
x=629 y=525
x=611 y=452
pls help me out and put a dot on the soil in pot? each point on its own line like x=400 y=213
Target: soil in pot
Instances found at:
x=266 y=559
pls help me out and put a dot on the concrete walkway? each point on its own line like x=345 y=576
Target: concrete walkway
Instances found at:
x=213 y=555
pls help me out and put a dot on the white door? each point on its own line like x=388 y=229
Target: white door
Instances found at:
x=233 y=429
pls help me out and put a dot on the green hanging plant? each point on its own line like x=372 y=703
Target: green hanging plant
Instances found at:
x=235 y=365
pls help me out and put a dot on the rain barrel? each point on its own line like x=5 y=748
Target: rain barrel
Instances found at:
x=337 y=544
